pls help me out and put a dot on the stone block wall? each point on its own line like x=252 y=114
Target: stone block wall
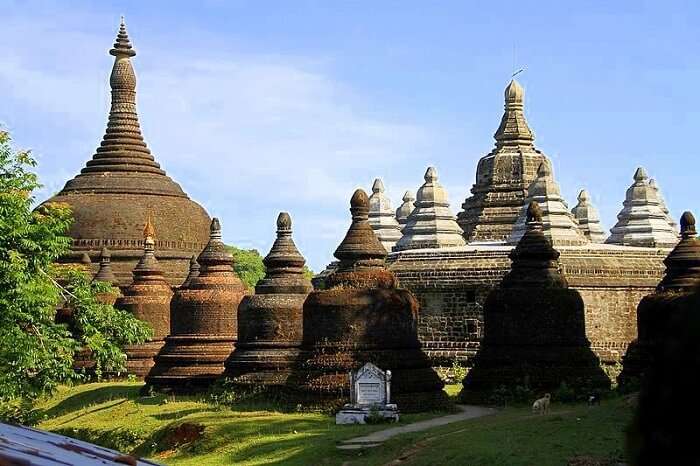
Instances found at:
x=452 y=285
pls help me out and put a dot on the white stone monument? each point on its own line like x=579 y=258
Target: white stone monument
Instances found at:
x=370 y=395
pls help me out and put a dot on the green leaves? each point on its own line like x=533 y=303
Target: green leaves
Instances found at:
x=36 y=353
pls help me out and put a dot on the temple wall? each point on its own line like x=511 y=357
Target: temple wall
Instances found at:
x=452 y=285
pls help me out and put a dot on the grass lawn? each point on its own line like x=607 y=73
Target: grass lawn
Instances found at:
x=184 y=430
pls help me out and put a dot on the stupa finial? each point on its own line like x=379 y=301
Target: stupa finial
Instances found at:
x=583 y=196
x=431 y=174
x=514 y=129
x=378 y=186
x=149 y=230
x=284 y=223
x=544 y=170
x=122 y=45
x=408 y=197
x=640 y=175
x=215 y=229
x=688 y=225
x=360 y=247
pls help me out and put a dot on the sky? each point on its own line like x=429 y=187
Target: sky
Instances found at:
x=257 y=107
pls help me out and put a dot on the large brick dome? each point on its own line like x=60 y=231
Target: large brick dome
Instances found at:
x=122 y=186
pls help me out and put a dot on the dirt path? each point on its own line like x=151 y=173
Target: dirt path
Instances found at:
x=376 y=438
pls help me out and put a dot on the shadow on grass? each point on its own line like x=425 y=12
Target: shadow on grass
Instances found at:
x=92 y=397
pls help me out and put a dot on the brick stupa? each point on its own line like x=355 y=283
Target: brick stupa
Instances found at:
x=123 y=184
x=535 y=330
x=362 y=317
x=382 y=217
x=656 y=310
x=502 y=176
x=270 y=321
x=202 y=323
x=431 y=224
x=588 y=218
x=148 y=298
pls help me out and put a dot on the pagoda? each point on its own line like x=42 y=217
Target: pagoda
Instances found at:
x=123 y=184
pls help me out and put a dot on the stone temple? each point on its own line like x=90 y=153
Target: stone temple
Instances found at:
x=123 y=184
x=452 y=282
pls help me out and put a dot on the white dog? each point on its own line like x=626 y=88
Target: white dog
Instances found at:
x=542 y=405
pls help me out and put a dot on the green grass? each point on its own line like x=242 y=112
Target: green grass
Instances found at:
x=113 y=415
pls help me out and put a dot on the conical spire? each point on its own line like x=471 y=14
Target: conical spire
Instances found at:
x=535 y=261
x=105 y=274
x=642 y=221
x=431 y=224
x=123 y=150
x=514 y=129
x=588 y=219
x=683 y=263
x=405 y=209
x=284 y=264
x=381 y=216
x=215 y=257
x=194 y=272
x=559 y=225
x=503 y=175
x=360 y=248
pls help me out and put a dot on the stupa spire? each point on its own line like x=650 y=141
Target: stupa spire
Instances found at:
x=381 y=216
x=405 y=209
x=284 y=264
x=588 y=218
x=514 y=129
x=360 y=248
x=105 y=274
x=683 y=263
x=123 y=150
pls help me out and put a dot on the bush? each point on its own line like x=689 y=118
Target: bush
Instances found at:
x=565 y=394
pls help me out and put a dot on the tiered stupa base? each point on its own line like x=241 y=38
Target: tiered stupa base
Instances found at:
x=139 y=358
x=190 y=363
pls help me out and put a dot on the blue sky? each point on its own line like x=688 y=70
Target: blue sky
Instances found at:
x=260 y=106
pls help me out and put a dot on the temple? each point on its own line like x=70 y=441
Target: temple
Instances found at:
x=123 y=184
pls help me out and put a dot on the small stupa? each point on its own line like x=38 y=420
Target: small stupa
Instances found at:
x=270 y=321
x=147 y=298
x=363 y=317
x=431 y=224
x=106 y=275
x=194 y=272
x=657 y=309
x=642 y=221
x=588 y=218
x=558 y=224
x=535 y=332
x=405 y=209
x=202 y=323
x=382 y=216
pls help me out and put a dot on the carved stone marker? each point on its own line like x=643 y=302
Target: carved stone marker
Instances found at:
x=370 y=394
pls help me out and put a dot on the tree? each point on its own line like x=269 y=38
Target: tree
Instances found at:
x=36 y=353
